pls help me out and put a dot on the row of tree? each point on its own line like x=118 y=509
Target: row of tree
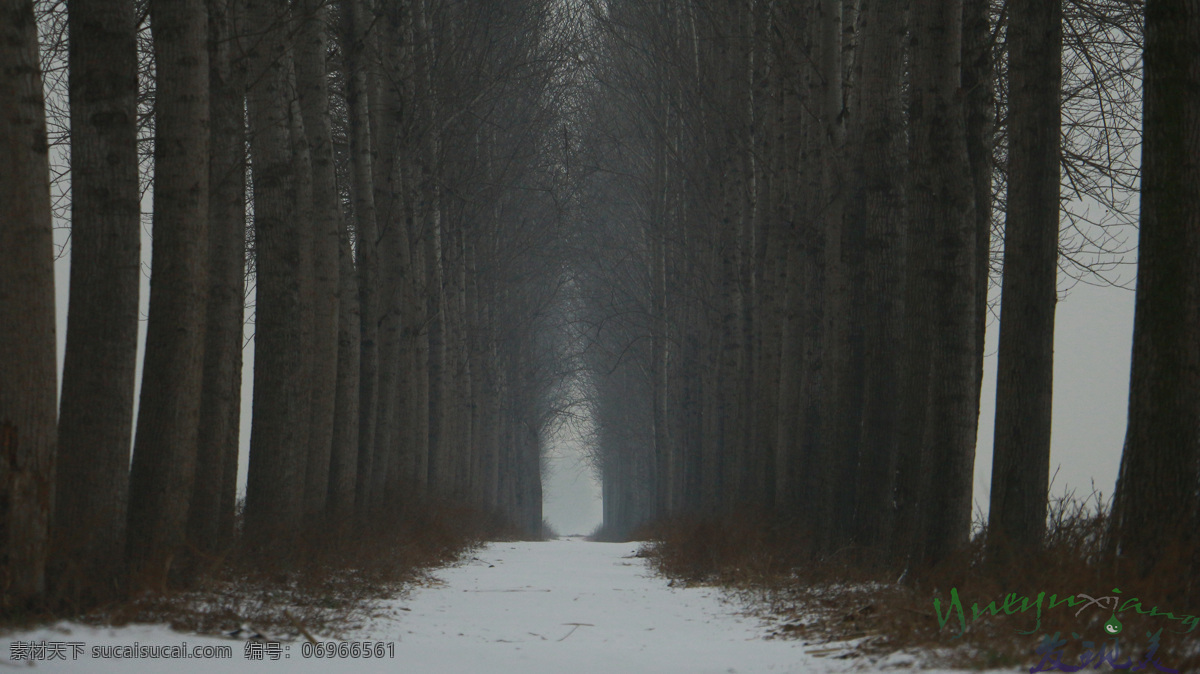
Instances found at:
x=803 y=206
x=398 y=163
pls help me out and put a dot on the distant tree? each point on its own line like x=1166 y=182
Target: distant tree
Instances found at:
x=164 y=457
x=96 y=418
x=27 y=341
x=1156 y=509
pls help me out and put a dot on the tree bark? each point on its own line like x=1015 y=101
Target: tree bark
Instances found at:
x=312 y=83
x=279 y=425
x=366 y=237
x=27 y=345
x=220 y=404
x=305 y=236
x=876 y=206
x=1156 y=510
x=940 y=396
x=164 y=458
x=835 y=453
x=343 y=464
x=96 y=421
x=978 y=82
x=391 y=118
x=429 y=210
x=1025 y=373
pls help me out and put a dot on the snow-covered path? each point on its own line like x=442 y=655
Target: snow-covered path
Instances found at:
x=574 y=606
x=556 y=607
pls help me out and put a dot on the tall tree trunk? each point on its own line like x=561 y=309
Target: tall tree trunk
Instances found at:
x=440 y=462
x=220 y=404
x=304 y=233
x=387 y=425
x=656 y=232
x=938 y=449
x=835 y=454
x=96 y=420
x=27 y=346
x=343 y=464
x=417 y=330
x=227 y=513
x=733 y=239
x=458 y=370
x=429 y=210
x=367 y=236
x=802 y=478
x=876 y=206
x=762 y=269
x=278 y=431
x=390 y=118
x=312 y=84
x=164 y=457
x=787 y=468
x=1156 y=509
x=1025 y=374
x=479 y=357
x=978 y=81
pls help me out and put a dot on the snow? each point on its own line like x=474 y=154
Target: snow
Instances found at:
x=567 y=606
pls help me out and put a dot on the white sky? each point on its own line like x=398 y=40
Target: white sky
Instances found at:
x=1092 y=342
x=571 y=493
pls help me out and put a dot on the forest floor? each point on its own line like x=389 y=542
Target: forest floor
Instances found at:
x=1063 y=607
x=530 y=607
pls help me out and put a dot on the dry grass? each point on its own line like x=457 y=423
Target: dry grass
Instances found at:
x=331 y=581
x=841 y=607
